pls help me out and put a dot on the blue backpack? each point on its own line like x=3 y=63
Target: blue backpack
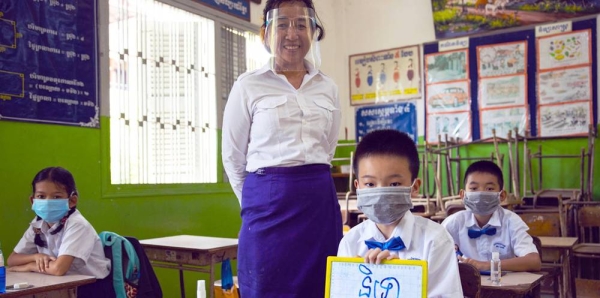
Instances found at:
x=125 y=284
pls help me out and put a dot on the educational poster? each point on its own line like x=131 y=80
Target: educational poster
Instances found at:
x=447 y=97
x=456 y=126
x=352 y=277
x=385 y=76
x=457 y=18
x=502 y=91
x=446 y=66
x=503 y=121
x=563 y=50
x=502 y=59
x=564 y=85
x=48 y=62
x=400 y=116
x=564 y=119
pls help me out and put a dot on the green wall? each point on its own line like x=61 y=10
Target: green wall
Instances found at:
x=26 y=148
x=201 y=210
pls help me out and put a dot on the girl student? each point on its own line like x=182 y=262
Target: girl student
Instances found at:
x=59 y=240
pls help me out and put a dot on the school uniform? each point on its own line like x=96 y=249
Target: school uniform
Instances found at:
x=424 y=240
x=510 y=239
x=77 y=239
x=278 y=143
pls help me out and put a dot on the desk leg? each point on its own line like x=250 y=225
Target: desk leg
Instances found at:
x=571 y=275
x=212 y=280
x=181 y=285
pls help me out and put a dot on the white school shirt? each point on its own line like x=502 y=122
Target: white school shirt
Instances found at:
x=77 y=238
x=424 y=240
x=511 y=238
x=267 y=122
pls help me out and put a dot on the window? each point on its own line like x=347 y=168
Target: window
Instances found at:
x=163 y=91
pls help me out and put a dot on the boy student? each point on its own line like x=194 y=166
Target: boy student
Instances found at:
x=386 y=166
x=486 y=227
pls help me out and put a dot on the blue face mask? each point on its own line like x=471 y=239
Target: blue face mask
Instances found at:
x=51 y=210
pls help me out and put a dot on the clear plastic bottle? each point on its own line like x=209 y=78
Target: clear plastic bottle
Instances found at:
x=495 y=268
x=201 y=289
x=2 y=274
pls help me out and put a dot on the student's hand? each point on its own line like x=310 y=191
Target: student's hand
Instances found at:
x=29 y=267
x=375 y=256
x=42 y=261
x=482 y=266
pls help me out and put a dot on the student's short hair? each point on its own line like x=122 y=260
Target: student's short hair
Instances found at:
x=388 y=142
x=486 y=166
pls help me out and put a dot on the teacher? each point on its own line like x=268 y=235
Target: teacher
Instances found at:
x=280 y=130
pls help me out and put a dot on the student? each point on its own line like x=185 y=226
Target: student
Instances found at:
x=59 y=240
x=486 y=227
x=386 y=166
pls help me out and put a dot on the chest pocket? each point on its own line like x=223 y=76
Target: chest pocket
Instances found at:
x=324 y=113
x=268 y=112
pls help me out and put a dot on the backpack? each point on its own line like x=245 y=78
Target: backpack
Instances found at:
x=125 y=264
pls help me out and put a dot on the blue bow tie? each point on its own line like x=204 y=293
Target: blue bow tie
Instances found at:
x=395 y=244
x=486 y=231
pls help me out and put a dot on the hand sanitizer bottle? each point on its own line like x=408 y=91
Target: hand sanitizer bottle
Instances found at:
x=495 y=268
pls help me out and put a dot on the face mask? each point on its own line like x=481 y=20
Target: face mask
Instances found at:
x=482 y=202
x=384 y=205
x=51 y=210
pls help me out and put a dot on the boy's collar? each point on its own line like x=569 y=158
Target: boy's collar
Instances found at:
x=493 y=221
x=404 y=229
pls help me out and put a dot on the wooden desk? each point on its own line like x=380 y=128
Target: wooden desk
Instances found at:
x=191 y=253
x=513 y=284
x=46 y=286
x=565 y=245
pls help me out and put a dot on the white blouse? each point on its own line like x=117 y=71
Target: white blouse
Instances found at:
x=267 y=122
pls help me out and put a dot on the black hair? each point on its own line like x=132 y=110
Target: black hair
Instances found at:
x=388 y=142
x=272 y=4
x=61 y=177
x=486 y=166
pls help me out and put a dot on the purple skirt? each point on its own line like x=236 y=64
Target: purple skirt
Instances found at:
x=291 y=222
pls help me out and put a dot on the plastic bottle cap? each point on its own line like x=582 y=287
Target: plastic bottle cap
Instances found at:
x=495 y=255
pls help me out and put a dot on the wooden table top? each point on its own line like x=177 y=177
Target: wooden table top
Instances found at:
x=43 y=283
x=190 y=242
x=558 y=242
x=512 y=284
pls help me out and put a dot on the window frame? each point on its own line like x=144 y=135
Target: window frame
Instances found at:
x=109 y=190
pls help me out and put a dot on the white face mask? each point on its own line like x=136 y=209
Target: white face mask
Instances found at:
x=482 y=202
x=384 y=205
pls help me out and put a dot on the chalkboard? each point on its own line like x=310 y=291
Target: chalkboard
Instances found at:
x=352 y=277
x=48 y=62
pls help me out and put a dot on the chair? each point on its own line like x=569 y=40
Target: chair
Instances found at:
x=588 y=219
x=470 y=280
x=554 y=272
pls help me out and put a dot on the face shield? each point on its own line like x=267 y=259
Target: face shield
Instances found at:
x=291 y=38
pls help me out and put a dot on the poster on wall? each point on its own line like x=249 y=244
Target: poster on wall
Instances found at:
x=503 y=121
x=564 y=50
x=564 y=85
x=456 y=126
x=502 y=59
x=446 y=66
x=455 y=18
x=502 y=91
x=48 y=62
x=401 y=116
x=453 y=96
x=564 y=119
x=384 y=76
